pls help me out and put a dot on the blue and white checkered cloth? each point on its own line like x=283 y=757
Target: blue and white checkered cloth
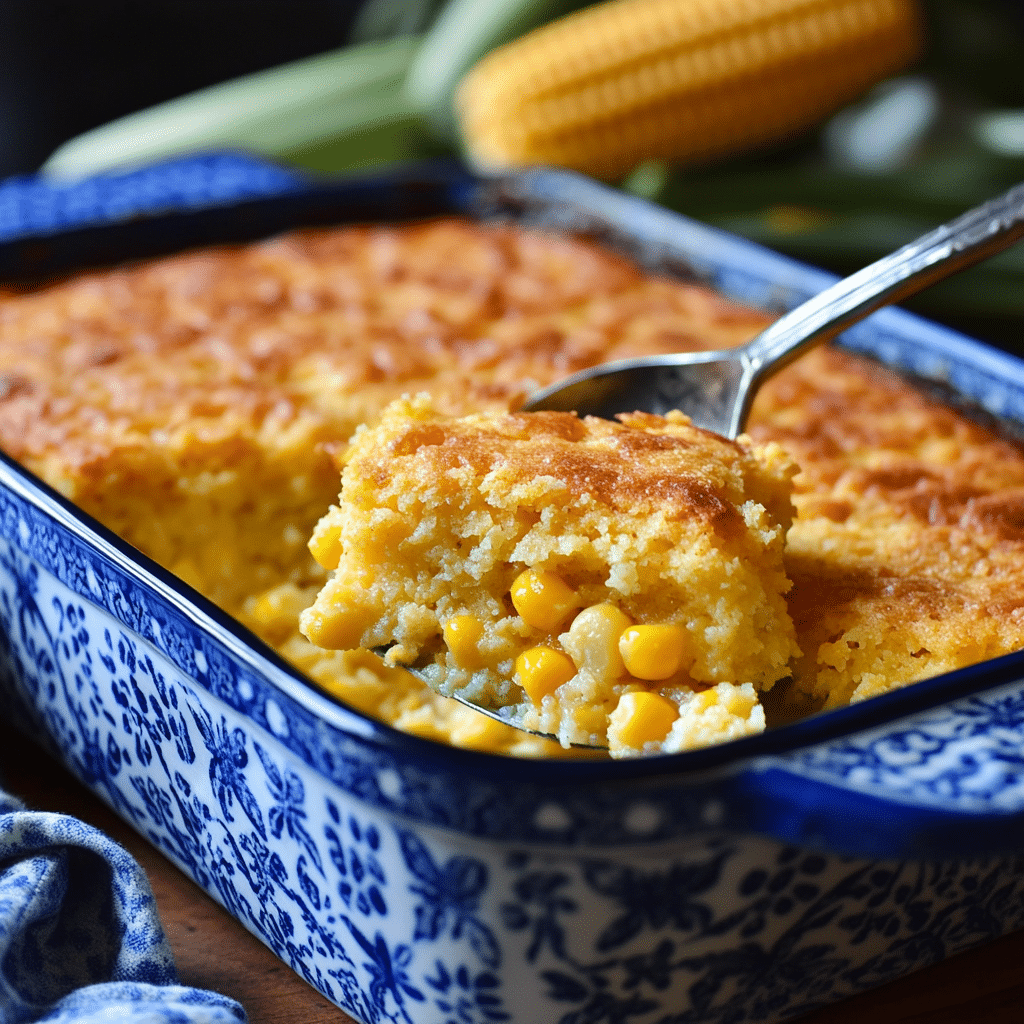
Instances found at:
x=80 y=939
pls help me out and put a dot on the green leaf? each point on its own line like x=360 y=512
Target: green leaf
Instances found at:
x=292 y=109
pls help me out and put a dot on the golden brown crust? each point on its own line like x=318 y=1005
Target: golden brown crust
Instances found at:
x=907 y=553
x=333 y=321
x=640 y=465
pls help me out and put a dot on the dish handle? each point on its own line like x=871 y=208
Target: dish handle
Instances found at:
x=946 y=781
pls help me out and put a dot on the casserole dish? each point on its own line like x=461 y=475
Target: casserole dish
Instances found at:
x=411 y=881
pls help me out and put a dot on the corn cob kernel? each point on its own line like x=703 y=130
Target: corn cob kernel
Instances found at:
x=592 y=641
x=274 y=614
x=341 y=630
x=653 y=651
x=325 y=545
x=702 y=700
x=680 y=80
x=543 y=599
x=640 y=718
x=462 y=634
x=542 y=670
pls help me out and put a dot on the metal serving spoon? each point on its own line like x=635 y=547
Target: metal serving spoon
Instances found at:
x=716 y=389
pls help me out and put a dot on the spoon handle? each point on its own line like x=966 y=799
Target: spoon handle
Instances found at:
x=971 y=238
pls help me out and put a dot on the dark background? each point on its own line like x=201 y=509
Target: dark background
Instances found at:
x=67 y=65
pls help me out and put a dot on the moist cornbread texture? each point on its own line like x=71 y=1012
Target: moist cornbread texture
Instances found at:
x=191 y=403
x=907 y=551
x=573 y=571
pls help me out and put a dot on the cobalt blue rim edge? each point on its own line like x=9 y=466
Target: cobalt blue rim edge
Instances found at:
x=703 y=788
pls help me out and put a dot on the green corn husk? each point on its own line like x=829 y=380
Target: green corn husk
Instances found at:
x=342 y=109
x=384 y=19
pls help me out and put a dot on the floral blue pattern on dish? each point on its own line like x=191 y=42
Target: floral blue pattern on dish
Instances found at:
x=399 y=921
x=30 y=206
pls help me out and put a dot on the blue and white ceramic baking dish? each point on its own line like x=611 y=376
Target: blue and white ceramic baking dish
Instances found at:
x=412 y=882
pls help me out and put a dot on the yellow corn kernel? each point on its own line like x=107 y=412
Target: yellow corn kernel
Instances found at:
x=340 y=629
x=702 y=700
x=592 y=641
x=739 y=702
x=274 y=614
x=542 y=670
x=480 y=732
x=462 y=634
x=543 y=599
x=640 y=718
x=653 y=651
x=616 y=83
x=325 y=545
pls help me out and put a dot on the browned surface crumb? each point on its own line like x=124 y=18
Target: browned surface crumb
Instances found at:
x=907 y=554
x=176 y=384
x=326 y=322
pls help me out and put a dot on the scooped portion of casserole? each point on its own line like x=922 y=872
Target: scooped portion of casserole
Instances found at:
x=607 y=583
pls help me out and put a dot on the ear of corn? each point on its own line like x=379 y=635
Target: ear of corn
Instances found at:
x=681 y=80
x=464 y=31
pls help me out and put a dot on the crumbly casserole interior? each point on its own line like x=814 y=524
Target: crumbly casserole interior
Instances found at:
x=199 y=404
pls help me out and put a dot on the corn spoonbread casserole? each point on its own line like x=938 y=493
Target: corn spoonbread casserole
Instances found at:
x=612 y=584
x=200 y=406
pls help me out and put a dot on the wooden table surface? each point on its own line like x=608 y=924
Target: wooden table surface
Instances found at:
x=212 y=950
